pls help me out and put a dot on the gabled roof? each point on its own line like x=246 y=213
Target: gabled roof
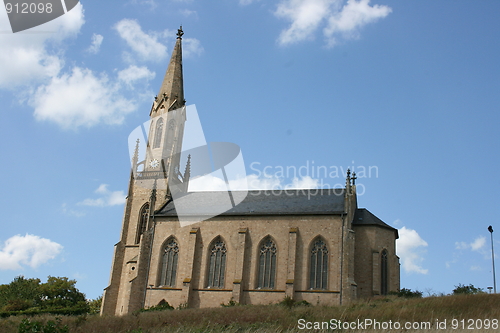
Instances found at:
x=261 y=202
x=364 y=217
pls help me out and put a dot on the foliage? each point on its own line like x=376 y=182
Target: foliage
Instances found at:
x=28 y=296
x=470 y=289
x=28 y=326
x=289 y=302
x=407 y=293
x=161 y=306
x=230 y=303
x=20 y=294
x=95 y=305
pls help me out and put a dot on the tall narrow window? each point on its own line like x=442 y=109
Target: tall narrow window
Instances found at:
x=158 y=133
x=267 y=264
x=143 y=222
x=384 y=273
x=318 y=275
x=169 y=260
x=217 y=264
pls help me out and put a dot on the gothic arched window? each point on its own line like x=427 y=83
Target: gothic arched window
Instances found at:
x=384 y=276
x=217 y=264
x=318 y=274
x=170 y=255
x=267 y=264
x=158 y=133
x=143 y=222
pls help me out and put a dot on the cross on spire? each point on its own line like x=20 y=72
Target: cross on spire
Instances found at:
x=180 y=33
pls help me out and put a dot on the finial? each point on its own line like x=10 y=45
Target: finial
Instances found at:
x=180 y=33
x=348 y=173
x=354 y=178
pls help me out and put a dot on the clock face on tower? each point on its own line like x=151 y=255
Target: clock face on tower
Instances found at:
x=154 y=163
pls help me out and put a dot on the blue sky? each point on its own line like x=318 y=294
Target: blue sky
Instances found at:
x=408 y=88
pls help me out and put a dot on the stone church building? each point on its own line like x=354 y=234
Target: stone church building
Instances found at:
x=314 y=245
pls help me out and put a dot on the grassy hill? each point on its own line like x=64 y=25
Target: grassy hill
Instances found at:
x=461 y=312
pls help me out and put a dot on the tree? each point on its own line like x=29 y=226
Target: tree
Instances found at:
x=470 y=289
x=95 y=305
x=20 y=294
x=57 y=295
x=60 y=292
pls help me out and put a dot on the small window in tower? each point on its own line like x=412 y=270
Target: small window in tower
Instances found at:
x=158 y=133
x=142 y=223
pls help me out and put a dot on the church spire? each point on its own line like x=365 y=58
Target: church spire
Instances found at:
x=171 y=93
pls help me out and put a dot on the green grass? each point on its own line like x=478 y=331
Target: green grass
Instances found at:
x=278 y=318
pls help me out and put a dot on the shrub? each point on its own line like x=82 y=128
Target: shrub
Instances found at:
x=470 y=289
x=95 y=305
x=161 y=306
x=28 y=326
x=229 y=304
x=407 y=293
x=289 y=302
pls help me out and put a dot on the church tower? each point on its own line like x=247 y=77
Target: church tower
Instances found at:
x=152 y=180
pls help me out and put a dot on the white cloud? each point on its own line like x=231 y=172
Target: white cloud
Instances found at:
x=151 y=3
x=354 y=15
x=133 y=73
x=306 y=15
x=191 y=47
x=247 y=2
x=81 y=99
x=73 y=98
x=27 y=250
x=108 y=198
x=96 y=44
x=408 y=249
x=70 y=212
x=32 y=56
x=476 y=245
x=250 y=182
x=188 y=13
x=304 y=183
x=146 y=46
x=342 y=21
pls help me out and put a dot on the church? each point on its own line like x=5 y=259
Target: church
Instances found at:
x=311 y=245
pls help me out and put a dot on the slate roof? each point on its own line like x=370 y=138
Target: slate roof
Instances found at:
x=261 y=202
x=363 y=216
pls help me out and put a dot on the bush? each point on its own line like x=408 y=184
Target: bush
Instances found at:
x=28 y=326
x=95 y=305
x=407 y=293
x=161 y=306
x=58 y=295
x=289 y=302
x=470 y=289
x=229 y=304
